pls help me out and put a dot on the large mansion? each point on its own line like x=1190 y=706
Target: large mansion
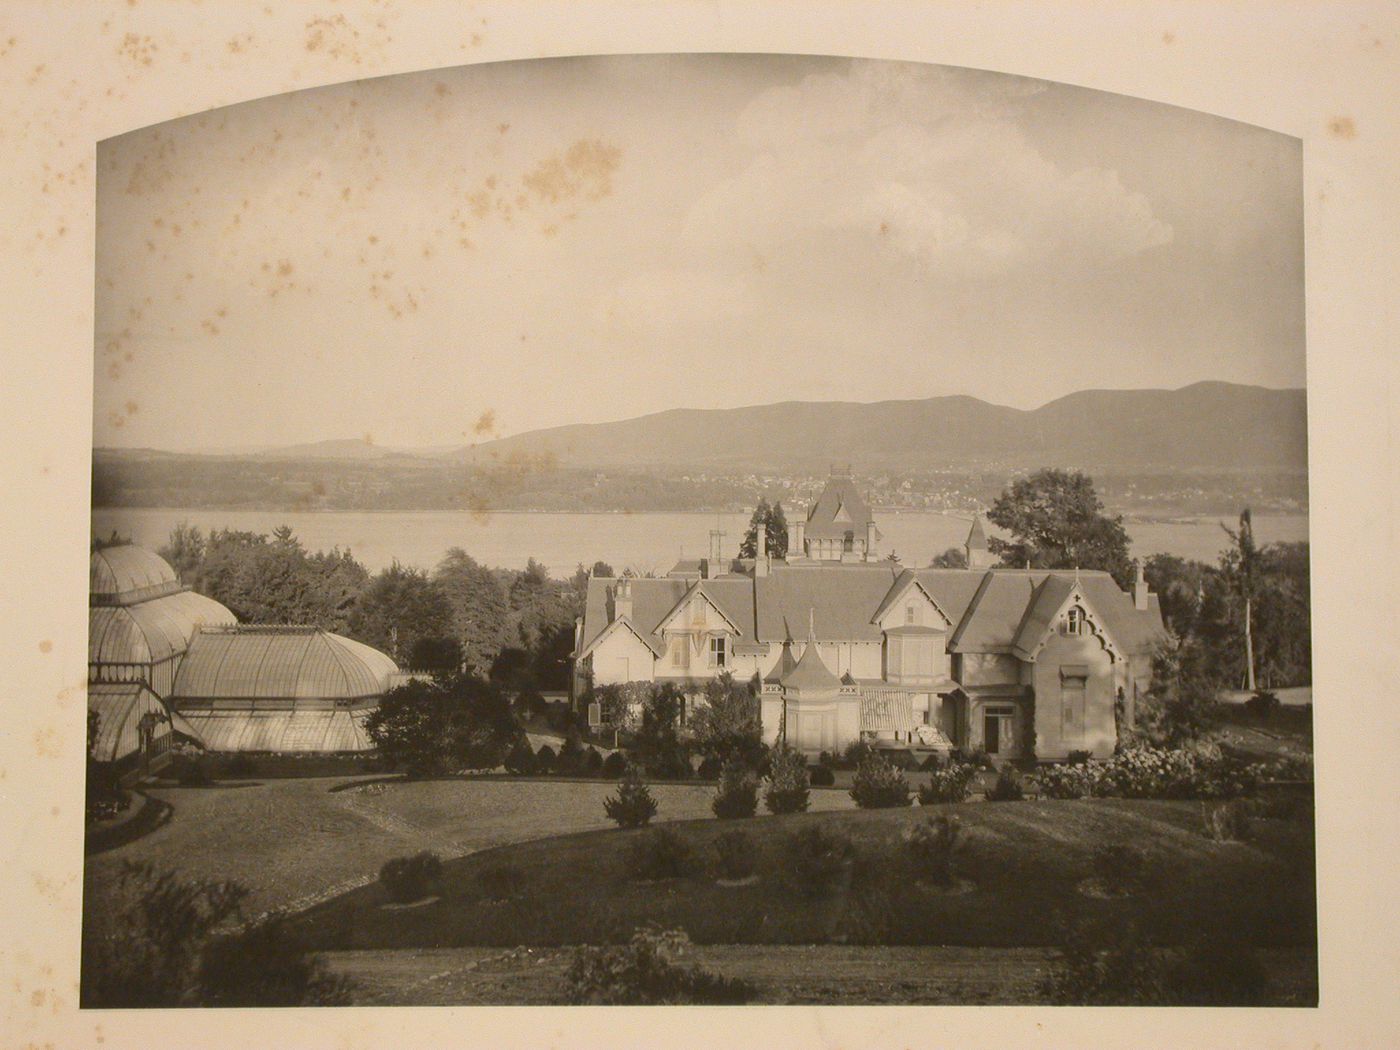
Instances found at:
x=848 y=646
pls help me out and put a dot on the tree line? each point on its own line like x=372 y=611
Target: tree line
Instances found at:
x=514 y=627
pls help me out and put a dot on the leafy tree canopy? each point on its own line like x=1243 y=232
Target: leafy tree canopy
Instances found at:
x=1056 y=521
x=773 y=521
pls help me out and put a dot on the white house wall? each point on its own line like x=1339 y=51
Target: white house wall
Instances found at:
x=621 y=657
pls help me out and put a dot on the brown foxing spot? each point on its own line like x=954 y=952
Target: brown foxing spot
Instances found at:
x=132 y=408
x=46 y=646
x=1341 y=128
x=1168 y=37
x=584 y=170
x=138 y=49
x=486 y=422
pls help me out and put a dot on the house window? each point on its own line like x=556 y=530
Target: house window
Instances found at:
x=1074 y=621
x=680 y=653
x=718 y=652
x=911 y=614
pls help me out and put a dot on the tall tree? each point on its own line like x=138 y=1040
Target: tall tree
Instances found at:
x=1240 y=563
x=952 y=558
x=400 y=611
x=184 y=551
x=481 y=619
x=772 y=519
x=1056 y=521
x=727 y=724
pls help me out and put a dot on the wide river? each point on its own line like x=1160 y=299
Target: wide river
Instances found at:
x=642 y=541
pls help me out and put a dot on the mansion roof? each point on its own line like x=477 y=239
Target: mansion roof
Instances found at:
x=991 y=610
x=838 y=510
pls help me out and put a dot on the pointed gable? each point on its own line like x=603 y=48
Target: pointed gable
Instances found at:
x=838 y=510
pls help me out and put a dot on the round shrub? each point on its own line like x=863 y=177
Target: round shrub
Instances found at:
x=592 y=762
x=545 y=760
x=735 y=855
x=1008 y=787
x=821 y=776
x=878 y=785
x=614 y=766
x=787 y=790
x=817 y=858
x=1066 y=781
x=929 y=845
x=521 y=759
x=658 y=854
x=857 y=751
x=1263 y=705
x=901 y=759
x=569 y=761
x=953 y=783
x=408 y=879
x=737 y=794
x=709 y=768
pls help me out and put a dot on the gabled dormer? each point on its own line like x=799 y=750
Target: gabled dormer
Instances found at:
x=1061 y=608
x=699 y=636
x=915 y=633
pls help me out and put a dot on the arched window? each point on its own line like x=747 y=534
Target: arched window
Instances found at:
x=1074 y=621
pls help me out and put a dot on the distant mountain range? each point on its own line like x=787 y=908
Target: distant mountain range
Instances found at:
x=1205 y=426
x=1208 y=426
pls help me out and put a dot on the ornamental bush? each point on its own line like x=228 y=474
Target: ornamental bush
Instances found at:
x=521 y=759
x=878 y=785
x=930 y=844
x=614 y=766
x=592 y=762
x=633 y=806
x=1008 y=786
x=546 y=761
x=1263 y=705
x=645 y=971
x=737 y=794
x=953 y=783
x=658 y=854
x=709 y=768
x=735 y=853
x=856 y=752
x=266 y=965
x=409 y=879
x=1066 y=781
x=817 y=859
x=821 y=776
x=787 y=790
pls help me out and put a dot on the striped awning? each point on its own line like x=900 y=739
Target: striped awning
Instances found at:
x=887 y=710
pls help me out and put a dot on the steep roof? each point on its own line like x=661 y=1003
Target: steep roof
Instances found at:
x=126 y=574
x=653 y=600
x=976 y=538
x=253 y=663
x=838 y=510
x=153 y=630
x=842 y=599
x=811 y=675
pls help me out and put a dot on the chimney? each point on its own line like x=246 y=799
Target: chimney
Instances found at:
x=796 y=529
x=716 y=552
x=1140 y=590
x=622 y=599
x=760 y=560
x=870 y=540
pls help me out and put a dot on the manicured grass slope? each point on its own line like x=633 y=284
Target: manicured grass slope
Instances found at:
x=1026 y=860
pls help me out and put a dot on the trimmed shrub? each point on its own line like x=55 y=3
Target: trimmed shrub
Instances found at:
x=633 y=806
x=1226 y=821
x=900 y=758
x=828 y=761
x=500 y=882
x=878 y=785
x=645 y=971
x=569 y=761
x=737 y=794
x=1079 y=758
x=658 y=854
x=521 y=759
x=735 y=855
x=264 y=965
x=546 y=761
x=817 y=858
x=409 y=879
x=953 y=783
x=1008 y=786
x=1066 y=781
x=930 y=844
x=787 y=790
x=856 y=752
x=592 y=762
x=614 y=766
x=977 y=757
x=1263 y=705
x=821 y=776
x=709 y=768
x=1120 y=868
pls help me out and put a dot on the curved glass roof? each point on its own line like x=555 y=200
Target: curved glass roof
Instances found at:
x=153 y=630
x=288 y=663
x=126 y=574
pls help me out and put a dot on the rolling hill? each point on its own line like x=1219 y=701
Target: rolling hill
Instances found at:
x=1206 y=426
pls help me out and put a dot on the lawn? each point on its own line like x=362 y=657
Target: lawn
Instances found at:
x=1026 y=862
x=293 y=842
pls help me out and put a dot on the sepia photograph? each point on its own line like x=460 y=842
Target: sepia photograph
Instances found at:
x=699 y=529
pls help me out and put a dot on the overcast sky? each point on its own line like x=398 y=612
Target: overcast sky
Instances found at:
x=442 y=257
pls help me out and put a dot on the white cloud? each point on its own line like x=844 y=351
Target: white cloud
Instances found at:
x=919 y=167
